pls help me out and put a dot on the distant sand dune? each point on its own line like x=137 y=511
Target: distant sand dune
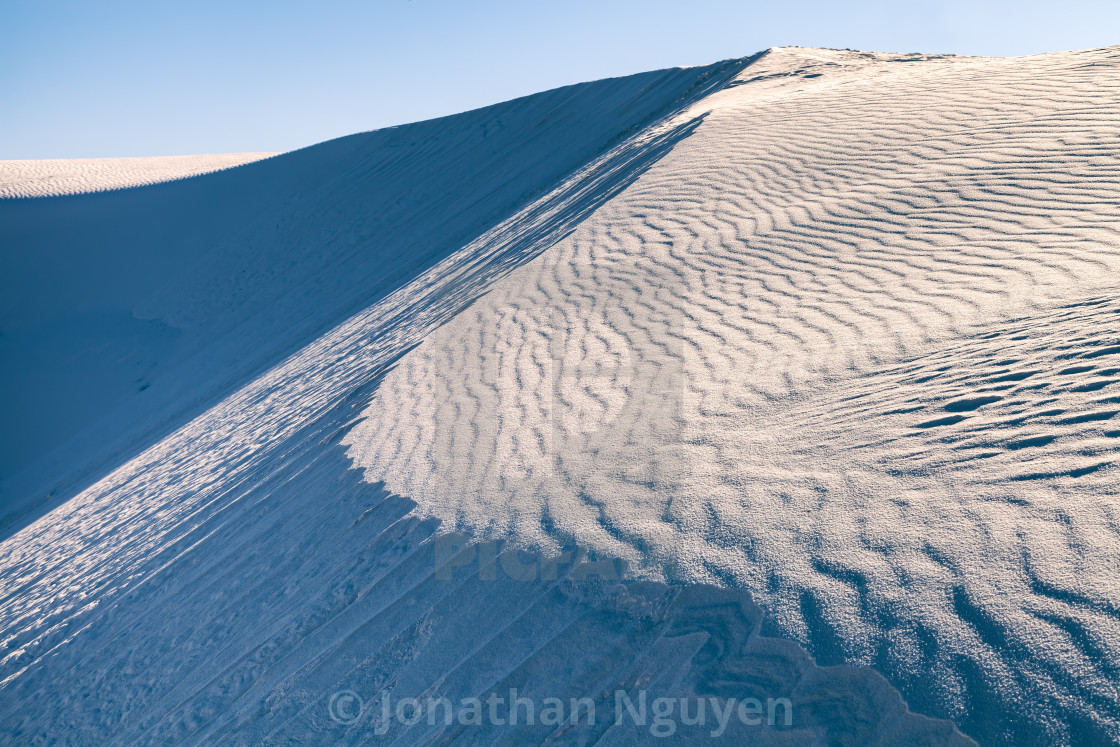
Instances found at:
x=67 y=176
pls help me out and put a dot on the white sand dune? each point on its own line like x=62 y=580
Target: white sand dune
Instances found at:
x=835 y=331
x=68 y=176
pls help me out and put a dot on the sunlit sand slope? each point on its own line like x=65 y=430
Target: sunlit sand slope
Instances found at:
x=850 y=346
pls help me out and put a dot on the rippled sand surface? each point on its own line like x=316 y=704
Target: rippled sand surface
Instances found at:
x=853 y=346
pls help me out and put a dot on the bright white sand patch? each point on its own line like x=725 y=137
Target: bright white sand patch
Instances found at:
x=68 y=176
x=677 y=383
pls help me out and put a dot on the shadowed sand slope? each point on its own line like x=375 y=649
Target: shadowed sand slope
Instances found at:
x=124 y=313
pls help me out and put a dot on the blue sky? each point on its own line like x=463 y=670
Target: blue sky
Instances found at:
x=110 y=78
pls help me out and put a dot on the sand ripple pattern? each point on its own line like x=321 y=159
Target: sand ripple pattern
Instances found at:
x=796 y=357
x=71 y=176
